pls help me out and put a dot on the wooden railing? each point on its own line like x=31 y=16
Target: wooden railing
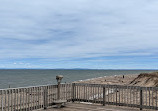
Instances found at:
x=31 y=98
x=36 y=97
x=131 y=96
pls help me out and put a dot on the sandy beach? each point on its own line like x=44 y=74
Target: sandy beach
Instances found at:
x=142 y=79
x=112 y=80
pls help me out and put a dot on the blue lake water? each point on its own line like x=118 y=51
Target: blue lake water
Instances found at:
x=32 y=77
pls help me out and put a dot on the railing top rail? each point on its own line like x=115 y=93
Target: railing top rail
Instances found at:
x=85 y=84
x=32 y=86
x=108 y=85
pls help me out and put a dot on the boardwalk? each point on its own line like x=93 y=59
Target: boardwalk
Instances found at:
x=90 y=107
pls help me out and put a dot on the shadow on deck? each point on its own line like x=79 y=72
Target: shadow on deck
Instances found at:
x=90 y=107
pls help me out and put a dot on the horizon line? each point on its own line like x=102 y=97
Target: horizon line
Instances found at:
x=72 y=69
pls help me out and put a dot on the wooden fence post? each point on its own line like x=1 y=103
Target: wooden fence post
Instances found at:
x=73 y=92
x=58 y=93
x=116 y=94
x=103 y=95
x=45 y=97
x=141 y=98
x=2 y=99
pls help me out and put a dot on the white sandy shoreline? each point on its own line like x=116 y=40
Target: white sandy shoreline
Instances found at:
x=115 y=79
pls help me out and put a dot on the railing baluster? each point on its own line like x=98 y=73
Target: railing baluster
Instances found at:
x=32 y=99
x=77 y=92
x=146 y=91
x=45 y=97
x=68 y=92
x=35 y=98
x=29 y=89
x=63 y=91
x=37 y=94
x=2 y=100
x=14 y=99
x=131 y=98
x=149 y=97
x=38 y=97
x=108 y=94
x=93 y=94
x=20 y=98
x=141 y=98
x=80 y=88
x=11 y=99
x=152 y=97
x=41 y=97
x=119 y=93
x=23 y=90
x=73 y=92
x=17 y=99
x=26 y=99
x=5 y=100
x=156 y=98
x=34 y=95
x=8 y=92
x=104 y=95
x=41 y=103
x=86 y=93
x=98 y=94
x=122 y=95
x=51 y=93
x=116 y=93
x=128 y=96
x=48 y=94
x=135 y=95
x=113 y=93
x=125 y=89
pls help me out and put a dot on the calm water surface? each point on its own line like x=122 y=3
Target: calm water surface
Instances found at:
x=32 y=77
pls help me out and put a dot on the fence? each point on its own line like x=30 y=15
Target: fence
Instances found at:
x=32 y=98
x=131 y=96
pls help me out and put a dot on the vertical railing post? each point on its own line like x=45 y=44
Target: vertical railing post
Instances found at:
x=141 y=98
x=116 y=93
x=58 y=78
x=84 y=90
x=58 y=94
x=73 y=92
x=156 y=98
x=45 y=97
x=2 y=99
x=103 y=95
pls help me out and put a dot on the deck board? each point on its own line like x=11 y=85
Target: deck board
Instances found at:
x=90 y=107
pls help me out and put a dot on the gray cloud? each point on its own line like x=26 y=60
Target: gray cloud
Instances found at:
x=77 y=29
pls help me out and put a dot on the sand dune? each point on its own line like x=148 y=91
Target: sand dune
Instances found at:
x=142 y=79
x=146 y=79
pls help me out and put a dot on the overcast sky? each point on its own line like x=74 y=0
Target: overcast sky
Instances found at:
x=104 y=34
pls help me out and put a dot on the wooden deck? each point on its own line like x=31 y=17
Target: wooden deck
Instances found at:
x=39 y=97
x=90 y=107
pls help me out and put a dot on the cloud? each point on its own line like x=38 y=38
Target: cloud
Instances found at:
x=68 y=30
